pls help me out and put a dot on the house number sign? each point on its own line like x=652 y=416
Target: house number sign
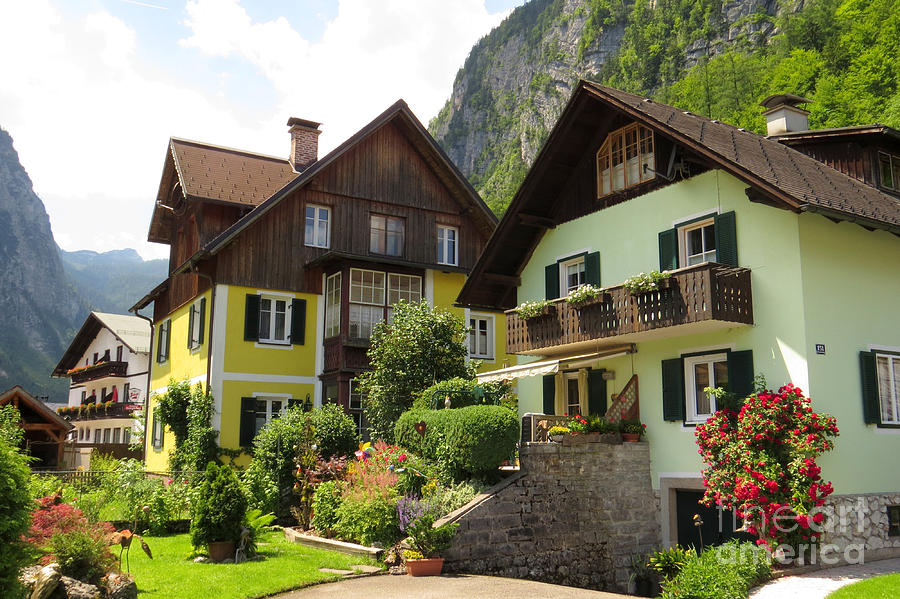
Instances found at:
x=820 y=349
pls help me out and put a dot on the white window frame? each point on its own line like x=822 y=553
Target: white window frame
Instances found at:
x=196 y=324
x=613 y=176
x=490 y=320
x=408 y=295
x=333 y=305
x=568 y=377
x=313 y=240
x=272 y=297
x=692 y=416
x=354 y=382
x=446 y=248
x=683 y=230
x=363 y=318
x=270 y=411
x=357 y=289
x=564 y=288
x=892 y=384
x=893 y=164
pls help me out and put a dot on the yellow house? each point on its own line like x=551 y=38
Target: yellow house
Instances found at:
x=279 y=268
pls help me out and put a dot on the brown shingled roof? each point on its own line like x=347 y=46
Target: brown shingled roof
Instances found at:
x=800 y=180
x=228 y=175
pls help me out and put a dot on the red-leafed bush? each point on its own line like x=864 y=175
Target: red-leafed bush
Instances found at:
x=761 y=462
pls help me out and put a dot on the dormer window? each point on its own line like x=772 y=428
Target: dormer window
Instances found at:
x=890 y=170
x=625 y=159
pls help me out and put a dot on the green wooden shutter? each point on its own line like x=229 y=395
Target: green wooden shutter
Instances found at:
x=159 y=343
x=298 y=321
x=740 y=373
x=190 y=330
x=592 y=269
x=596 y=393
x=550 y=394
x=162 y=350
x=668 y=249
x=673 y=389
x=551 y=281
x=168 y=337
x=248 y=421
x=251 y=318
x=202 y=319
x=726 y=239
x=871 y=404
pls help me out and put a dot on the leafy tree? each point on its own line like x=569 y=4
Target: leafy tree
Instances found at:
x=335 y=431
x=187 y=412
x=15 y=502
x=220 y=507
x=423 y=345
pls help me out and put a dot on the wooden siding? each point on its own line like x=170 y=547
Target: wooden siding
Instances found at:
x=851 y=158
x=384 y=175
x=696 y=294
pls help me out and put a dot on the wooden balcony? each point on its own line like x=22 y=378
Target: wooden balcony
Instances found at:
x=99 y=412
x=99 y=371
x=697 y=299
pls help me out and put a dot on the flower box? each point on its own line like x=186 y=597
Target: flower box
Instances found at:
x=429 y=566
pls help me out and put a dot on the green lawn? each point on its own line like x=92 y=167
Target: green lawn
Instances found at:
x=172 y=575
x=880 y=587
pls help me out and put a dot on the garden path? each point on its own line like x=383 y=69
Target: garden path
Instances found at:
x=817 y=585
x=443 y=587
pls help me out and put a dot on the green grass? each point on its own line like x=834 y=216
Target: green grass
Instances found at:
x=880 y=587
x=171 y=574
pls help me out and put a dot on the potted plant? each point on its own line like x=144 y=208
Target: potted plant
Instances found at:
x=427 y=541
x=218 y=513
x=633 y=430
x=586 y=295
x=556 y=433
x=646 y=282
x=604 y=431
x=535 y=309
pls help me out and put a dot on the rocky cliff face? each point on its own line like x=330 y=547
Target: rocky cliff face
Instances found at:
x=517 y=79
x=38 y=306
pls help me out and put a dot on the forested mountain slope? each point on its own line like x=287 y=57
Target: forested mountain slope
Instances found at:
x=711 y=57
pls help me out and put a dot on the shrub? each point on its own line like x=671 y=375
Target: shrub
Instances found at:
x=761 y=463
x=260 y=487
x=83 y=553
x=15 y=514
x=325 y=504
x=464 y=442
x=220 y=508
x=416 y=519
x=274 y=454
x=724 y=572
x=368 y=519
x=669 y=562
x=335 y=431
x=444 y=500
x=420 y=346
x=463 y=392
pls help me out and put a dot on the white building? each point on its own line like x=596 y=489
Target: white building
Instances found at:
x=107 y=363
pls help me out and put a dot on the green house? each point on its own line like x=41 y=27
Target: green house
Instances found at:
x=784 y=261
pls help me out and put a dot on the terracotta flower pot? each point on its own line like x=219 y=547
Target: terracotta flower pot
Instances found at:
x=430 y=566
x=631 y=437
x=219 y=551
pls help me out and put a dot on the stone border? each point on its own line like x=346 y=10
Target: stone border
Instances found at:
x=294 y=536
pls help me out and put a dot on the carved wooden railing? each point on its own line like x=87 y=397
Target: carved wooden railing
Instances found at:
x=699 y=293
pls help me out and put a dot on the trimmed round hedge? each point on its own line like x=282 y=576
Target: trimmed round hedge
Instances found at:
x=465 y=442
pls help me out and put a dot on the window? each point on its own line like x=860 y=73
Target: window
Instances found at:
x=625 y=159
x=106 y=435
x=366 y=287
x=83 y=396
x=102 y=394
x=126 y=391
x=701 y=372
x=126 y=436
x=355 y=406
x=887 y=370
x=889 y=166
x=196 y=324
x=268 y=410
x=318 y=231
x=119 y=353
x=273 y=320
x=97 y=434
x=893 y=512
x=481 y=336
x=162 y=341
x=697 y=243
x=573 y=399
x=96 y=357
x=157 y=431
x=573 y=275
x=369 y=297
x=386 y=235
x=407 y=288
x=446 y=245
x=330 y=394
x=333 y=305
x=363 y=320
x=115 y=435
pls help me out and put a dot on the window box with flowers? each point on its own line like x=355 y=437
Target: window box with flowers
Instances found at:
x=535 y=309
x=647 y=282
x=587 y=295
x=556 y=433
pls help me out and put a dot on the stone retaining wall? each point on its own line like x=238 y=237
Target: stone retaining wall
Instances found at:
x=574 y=515
x=861 y=521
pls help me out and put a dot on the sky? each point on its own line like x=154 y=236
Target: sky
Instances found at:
x=91 y=90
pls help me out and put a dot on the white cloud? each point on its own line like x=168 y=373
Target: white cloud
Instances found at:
x=91 y=116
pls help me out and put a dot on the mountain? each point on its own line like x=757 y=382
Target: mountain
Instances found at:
x=112 y=281
x=711 y=57
x=40 y=307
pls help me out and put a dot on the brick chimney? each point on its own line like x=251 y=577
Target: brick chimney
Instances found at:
x=783 y=115
x=304 y=143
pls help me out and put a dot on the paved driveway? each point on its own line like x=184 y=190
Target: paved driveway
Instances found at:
x=443 y=587
x=818 y=584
